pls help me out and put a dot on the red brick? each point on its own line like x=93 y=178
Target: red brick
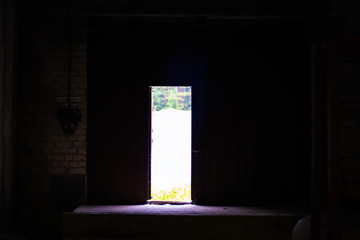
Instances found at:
x=73 y=164
x=73 y=150
x=79 y=144
x=81 y=151
x=77 y=171
x=82 y=164
x=79 y=158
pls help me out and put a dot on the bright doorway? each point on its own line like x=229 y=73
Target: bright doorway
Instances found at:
x=171 y=143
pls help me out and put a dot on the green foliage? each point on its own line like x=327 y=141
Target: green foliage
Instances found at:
x=171 y=97
x=176 y=194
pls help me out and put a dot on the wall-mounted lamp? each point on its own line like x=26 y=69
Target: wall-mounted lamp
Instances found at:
x=68 y=116
x=69 y=119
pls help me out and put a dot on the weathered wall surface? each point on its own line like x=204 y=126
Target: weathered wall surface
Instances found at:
x=50 y=166
x=8 y=57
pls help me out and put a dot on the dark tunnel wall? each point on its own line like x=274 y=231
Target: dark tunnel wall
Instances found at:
x=251 y=107
x=50 y=167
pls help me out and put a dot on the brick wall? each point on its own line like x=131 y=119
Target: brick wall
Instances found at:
x=51 y=165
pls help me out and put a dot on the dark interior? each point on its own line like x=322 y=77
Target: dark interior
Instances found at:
x=251 y=107
x=275 y=118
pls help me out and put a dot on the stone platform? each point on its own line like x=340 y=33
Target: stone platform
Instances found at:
x=179 y=222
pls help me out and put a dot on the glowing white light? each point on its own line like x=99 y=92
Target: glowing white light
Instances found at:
x=170 y=149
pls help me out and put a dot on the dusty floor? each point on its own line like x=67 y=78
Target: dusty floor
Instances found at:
x=186 y=210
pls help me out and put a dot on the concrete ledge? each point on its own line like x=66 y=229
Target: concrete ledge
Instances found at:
x=178 y=222
x=187 y=209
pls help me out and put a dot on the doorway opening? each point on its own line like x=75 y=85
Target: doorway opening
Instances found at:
x=170 y=143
